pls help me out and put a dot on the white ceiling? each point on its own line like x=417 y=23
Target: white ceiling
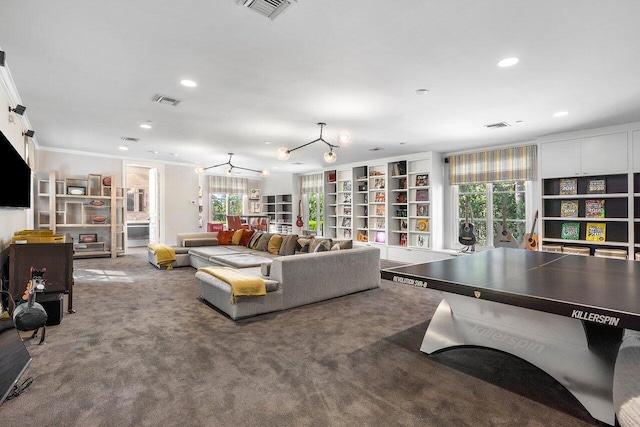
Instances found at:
x=87 y=70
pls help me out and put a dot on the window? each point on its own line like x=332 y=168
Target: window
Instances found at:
x=486 y=202
x=491 y=182
x=315 y=212
x=223 y=205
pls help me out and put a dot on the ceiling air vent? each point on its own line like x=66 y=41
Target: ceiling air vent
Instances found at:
x=129 y=139
x=375 y=149
x=163 y=99
x=497 y=125
x=269 y=8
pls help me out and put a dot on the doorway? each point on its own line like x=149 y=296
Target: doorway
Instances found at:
x=141 y=184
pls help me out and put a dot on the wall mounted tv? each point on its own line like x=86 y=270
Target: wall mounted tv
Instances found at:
x=15 y=177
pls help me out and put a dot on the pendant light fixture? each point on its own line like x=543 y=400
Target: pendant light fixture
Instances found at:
x=344 y=140
x=229 y=171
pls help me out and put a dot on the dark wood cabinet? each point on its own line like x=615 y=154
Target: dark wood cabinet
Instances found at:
x=57 y=258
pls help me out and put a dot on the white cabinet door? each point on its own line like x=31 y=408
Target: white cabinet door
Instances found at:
x=604 y=154
x=560 y=158
x=636 y=151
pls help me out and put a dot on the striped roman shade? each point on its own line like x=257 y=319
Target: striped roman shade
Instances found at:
x=311 y=184
x=506 y=164
x=228 y=185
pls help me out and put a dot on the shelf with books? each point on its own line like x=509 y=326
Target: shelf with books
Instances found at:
x=590 y=211
x=377 y=203
x=398 y=203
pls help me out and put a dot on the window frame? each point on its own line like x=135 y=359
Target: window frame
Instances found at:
x=227 y=202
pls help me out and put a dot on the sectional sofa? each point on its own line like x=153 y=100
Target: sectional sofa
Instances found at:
x=296 y=270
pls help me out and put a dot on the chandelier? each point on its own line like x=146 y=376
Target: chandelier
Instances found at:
x=344 y=139
x=229 y=171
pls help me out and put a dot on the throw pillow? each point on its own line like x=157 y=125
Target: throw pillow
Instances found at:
x=225 y=236
x=253 y=241
x=246 y=237
x=321 y=246
x=317 y=242
x=288 y=246
x=237 y=235
x=263 y=243
x=303 y=244
x=342 y=244
x=274 y=244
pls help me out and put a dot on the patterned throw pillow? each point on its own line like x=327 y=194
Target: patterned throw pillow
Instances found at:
x=253 y=241
x=319 y=245
x=303 y=244
x=342 y=244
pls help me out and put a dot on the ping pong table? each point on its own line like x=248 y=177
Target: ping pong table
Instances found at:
x=565 y=314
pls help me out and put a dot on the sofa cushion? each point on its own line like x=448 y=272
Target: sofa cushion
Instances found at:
x=315 y=244
x=342 y=244
x=237 y=235
x=303 y=244
x=240 y=260
x=274 y=244
x=265 y=269
x=263 y=243
x=192 y=242
x=253 y=241
x=246 y=236
x=288 y=246
x=224 y=237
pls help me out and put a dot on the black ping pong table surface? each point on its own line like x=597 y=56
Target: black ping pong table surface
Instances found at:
x=593 y=289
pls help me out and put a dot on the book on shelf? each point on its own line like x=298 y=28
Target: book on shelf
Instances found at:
x=403 y=225
x=379 y=197
x=346 y=186
x=569 y=209
x=422 y=224
x=380 y=237
x=380 y=210
x=346 y=222
x=399 y=168
x=403 y=240
x=570 y=231
x=422 y=209
x=422 y=240
x=346 y=233
x=422 y=195
x=594 y=208
x=346 y=198
x=347 y=210
x=597 y=186
x=568 y=186
x=422 y=180
x=378 y=183
x=379 y=222
x=596 y=232
x=331 y=176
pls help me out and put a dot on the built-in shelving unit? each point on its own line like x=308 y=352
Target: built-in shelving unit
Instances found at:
x=279 y=207
x=361 y=203
x=398 y=204
x=331 y=204
x=90 y=209
x=377 y=203
x=345 y=205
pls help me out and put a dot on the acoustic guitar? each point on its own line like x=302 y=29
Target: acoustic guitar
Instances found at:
x=466 y=236
x=299 y=221
x=504 y=239
x=531 y=239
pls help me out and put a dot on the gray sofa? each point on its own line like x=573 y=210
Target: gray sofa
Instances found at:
x=291 y=280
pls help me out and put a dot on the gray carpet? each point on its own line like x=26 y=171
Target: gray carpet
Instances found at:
x=143 y=350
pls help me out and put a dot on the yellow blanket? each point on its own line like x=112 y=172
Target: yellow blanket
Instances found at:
x=164 y=254
x=241 y=284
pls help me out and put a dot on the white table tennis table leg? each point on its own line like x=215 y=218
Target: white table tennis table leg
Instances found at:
x=556 y=344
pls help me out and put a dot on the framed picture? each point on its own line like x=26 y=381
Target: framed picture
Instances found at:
x=255 y=194
x=87 y=238
x=77 y=191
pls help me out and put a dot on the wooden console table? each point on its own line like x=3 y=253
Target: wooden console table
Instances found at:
x=57 y=258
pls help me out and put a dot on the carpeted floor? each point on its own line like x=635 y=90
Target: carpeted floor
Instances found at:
x=143 y=350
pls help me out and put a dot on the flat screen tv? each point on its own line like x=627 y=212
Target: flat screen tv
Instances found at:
x=15 y=177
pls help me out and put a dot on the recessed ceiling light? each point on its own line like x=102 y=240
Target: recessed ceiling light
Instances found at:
x=267 y=142
x=508 y=62
x=173 y=154
x=123 y=147
x=402 y=143
x=422 y=91
x=153 y=151
x=145 y=126
x=560 y=114
x=188 y=83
